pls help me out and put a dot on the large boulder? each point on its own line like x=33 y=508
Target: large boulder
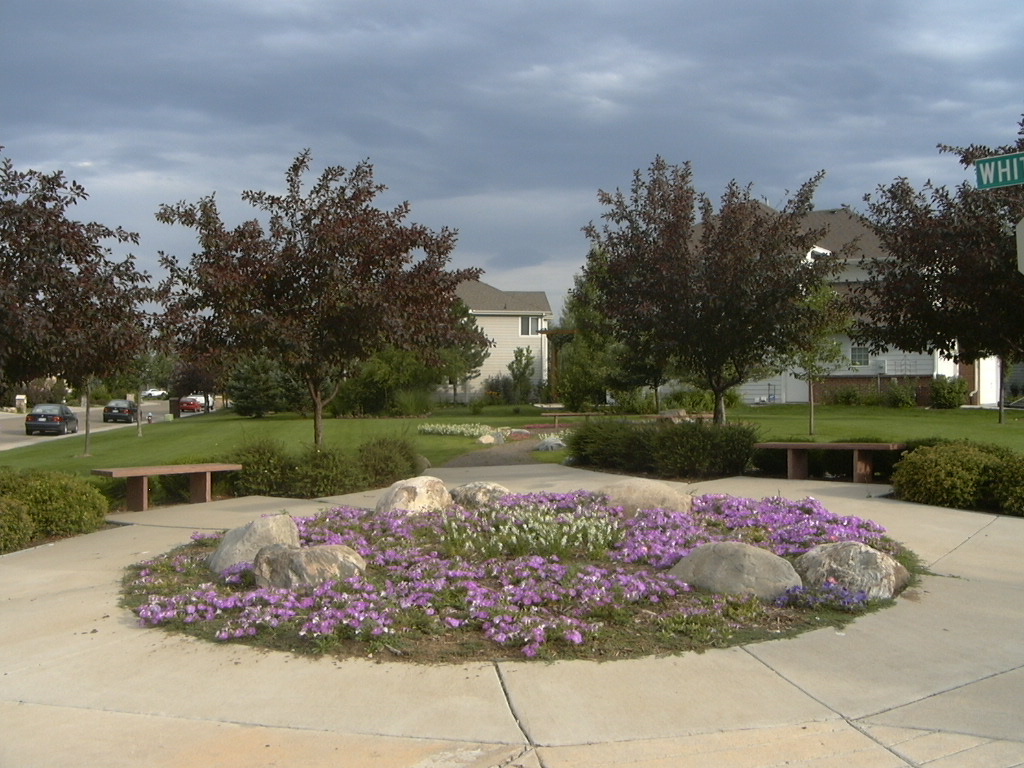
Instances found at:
x=240 y=545
x=551 y=444
x=735 y=568
x=286 y=567
x=635 y=493
x=855 y=566
x=416 y=494
x=478 y=494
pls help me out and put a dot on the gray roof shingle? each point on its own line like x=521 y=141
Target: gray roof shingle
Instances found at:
x=481 y=297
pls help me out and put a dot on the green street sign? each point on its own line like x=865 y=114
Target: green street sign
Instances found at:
x=1000 y=171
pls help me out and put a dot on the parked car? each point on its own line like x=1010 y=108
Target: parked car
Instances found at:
x=54 y=418
x=206 y=401
x=190 y=405
x=121 y=410
x=155 y=394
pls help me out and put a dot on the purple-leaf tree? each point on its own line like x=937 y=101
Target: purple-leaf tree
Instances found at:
x=323 y=281
x=719 y=291
x=67 y=308
x=949 y=281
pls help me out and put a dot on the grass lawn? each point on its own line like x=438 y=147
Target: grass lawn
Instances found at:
x=878 y=424
x=213 y=436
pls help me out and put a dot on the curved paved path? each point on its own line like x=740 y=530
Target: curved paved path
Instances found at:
x=937 y=680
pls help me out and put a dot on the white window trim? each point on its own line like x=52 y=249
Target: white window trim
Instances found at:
x=866 y=357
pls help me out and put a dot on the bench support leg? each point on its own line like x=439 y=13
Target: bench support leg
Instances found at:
x=863 y=466
x=796 y=463
x=199 y=487
x=138 y=494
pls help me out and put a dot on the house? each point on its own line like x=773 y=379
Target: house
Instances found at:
x=864 y=372
x=510 y=319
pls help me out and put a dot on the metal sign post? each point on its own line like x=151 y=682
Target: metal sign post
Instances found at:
x=1020 y=246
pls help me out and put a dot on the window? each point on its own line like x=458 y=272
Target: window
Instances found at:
x=529 y=326
x=858 y=356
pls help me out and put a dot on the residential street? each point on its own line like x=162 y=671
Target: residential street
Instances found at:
x=12 y=425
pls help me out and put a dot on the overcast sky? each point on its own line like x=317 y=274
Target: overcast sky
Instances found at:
x=500 y=119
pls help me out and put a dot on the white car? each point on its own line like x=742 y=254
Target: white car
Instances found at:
x=155 y=394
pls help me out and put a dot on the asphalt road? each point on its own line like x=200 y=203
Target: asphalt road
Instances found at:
x=12 y=425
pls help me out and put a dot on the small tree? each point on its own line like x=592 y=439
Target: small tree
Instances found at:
x=820 y=352
x=257 y=386
x=461 y=363
x=521 y=370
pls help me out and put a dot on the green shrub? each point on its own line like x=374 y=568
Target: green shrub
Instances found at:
x=638 y=400
x=324 y=472
x=386 y=460
x=692 y=449
x=901 y=395
x=846 y=396
x=266 y=469
x=16 y=526
x=703 y=449
x=413 y=402
x=1008 y=486
x=699 y=400
x=958 y=474
x=626 y=446
x=59 y=504
x=949 y=393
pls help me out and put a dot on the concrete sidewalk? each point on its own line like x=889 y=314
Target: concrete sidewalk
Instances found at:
x=937 y=680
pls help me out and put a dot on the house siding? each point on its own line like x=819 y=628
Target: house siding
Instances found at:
x=884 y=369
x=504 y=333
x=498 y=315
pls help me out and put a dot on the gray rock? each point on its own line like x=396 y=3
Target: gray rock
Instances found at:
x=491 y=438
x=286 y=567
x=422 y=464
x=477 y=494
x=735 y=568
x=636 y=493
x=551 y=444
x=416 y=494
x=855 y=566
x=240 y=545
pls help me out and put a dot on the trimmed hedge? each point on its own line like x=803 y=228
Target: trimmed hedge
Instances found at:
x=59 y=504
x=386 y=460
x=962 y=474
x=270 y=469
x=691 y=449
x=16 y=527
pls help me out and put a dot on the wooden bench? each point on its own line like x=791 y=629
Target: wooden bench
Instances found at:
x=199 y=481
x=863 y=456
x=586 y=416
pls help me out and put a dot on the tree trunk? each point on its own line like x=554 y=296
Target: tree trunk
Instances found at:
x=88 y=407
x=810 y=401
x=1002 y=393
x=720 y=407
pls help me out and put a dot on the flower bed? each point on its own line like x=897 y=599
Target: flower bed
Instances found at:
x=549 y=575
